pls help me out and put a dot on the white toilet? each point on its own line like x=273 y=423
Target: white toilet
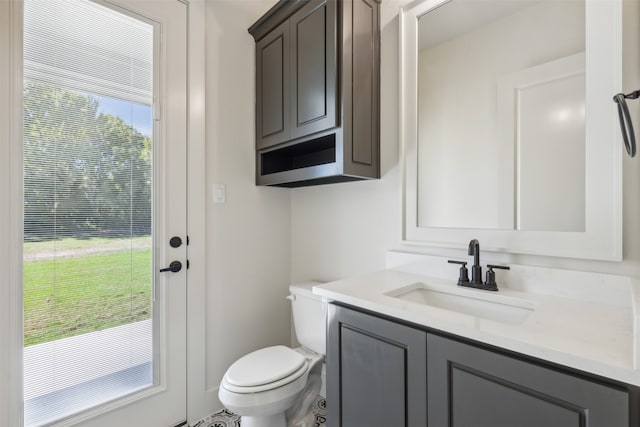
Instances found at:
x=275 y=386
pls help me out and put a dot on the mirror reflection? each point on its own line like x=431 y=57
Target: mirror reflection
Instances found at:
x=501 y=115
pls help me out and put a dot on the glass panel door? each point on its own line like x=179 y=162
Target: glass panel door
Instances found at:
x=94 y=208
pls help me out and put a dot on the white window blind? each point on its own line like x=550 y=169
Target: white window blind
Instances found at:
x=85 y=46
x=88 y=90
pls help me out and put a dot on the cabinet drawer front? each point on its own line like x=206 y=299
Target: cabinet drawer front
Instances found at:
x=313 y=69
x=376 y=373
x=472 y=387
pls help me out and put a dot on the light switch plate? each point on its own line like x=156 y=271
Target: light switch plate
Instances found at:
x=219 y=193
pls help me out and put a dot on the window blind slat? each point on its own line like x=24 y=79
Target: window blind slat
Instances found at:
x=76 y=41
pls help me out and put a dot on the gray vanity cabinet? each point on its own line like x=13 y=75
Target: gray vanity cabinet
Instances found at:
x=385 y=373
x=470 y=386
x=317 y=92
x=376 y=372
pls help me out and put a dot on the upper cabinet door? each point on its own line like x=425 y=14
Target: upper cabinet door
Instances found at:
x=272 y=87
x=313 y=69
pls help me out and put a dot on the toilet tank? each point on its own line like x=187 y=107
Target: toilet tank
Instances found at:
x=309 y=316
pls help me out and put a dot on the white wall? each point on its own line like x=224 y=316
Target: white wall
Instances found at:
x=631 y=167
x=345 y=229
x=248 y=237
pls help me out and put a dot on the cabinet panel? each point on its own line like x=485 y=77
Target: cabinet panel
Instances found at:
x=313 y=73
x=481 y=400
x=364 y=74
x=310 y=70
x=371 y=369
x=472 y=387
x=376 y=371
x=361 y=87
x=272 y=88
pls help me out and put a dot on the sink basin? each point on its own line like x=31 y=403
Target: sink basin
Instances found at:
x=484 y=304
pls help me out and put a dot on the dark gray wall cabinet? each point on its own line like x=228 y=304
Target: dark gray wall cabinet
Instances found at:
x=317 y=92
x=386 y=373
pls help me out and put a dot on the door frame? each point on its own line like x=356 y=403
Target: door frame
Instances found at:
x=198 y=397
x=11 y=215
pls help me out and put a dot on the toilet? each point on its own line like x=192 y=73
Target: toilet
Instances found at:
x=276 y=386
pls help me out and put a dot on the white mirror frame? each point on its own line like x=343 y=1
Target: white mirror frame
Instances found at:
x=602 y=239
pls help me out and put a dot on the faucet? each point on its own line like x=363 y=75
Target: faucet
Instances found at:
x=476 y=269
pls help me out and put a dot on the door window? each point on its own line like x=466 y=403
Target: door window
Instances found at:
x=88 y=197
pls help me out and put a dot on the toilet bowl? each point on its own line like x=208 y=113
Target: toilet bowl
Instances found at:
x=276 y=386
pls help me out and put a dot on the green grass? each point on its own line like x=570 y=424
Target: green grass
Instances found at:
x=31 y=249
x=86 y=292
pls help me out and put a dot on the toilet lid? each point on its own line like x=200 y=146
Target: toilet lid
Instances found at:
x=264 y=366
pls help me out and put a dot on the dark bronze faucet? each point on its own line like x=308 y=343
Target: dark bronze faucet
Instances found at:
x=476 y=270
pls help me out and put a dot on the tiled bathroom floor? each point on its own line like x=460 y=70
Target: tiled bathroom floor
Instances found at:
x=225 y=418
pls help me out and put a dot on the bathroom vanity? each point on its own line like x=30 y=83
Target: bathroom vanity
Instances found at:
x=555 y=355
x=396 y=374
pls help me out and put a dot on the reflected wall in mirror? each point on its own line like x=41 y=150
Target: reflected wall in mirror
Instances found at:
x=501 y=115
x=509 y=132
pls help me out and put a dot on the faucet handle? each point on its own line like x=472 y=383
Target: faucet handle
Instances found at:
x=491 y=275
x=464 y=273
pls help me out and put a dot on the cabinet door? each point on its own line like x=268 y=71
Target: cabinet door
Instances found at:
x=472 y=387
x=272 y=87
x=361 y=86
x=313 y=68
x=376 y=372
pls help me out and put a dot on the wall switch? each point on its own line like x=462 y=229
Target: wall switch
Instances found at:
x=219 y=193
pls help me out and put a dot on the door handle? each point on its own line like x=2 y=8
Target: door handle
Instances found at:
x=174 y=267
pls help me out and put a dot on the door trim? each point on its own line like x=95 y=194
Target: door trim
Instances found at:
x=11 y=223
x=199 y=399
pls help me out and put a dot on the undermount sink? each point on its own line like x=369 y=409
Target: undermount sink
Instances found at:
x=483 y=304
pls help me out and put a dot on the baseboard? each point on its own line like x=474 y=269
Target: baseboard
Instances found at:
x=216 y=405
x=206 y=404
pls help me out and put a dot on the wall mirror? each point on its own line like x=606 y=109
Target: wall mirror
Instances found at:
x=508 y=126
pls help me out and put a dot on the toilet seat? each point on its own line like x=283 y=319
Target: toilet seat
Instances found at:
x=265 y=369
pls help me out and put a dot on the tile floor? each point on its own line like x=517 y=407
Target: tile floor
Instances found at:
x=225 y=418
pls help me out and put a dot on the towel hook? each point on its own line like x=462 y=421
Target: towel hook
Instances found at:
x=626 y=126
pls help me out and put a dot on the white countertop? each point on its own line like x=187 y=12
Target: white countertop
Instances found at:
x=589 y=324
